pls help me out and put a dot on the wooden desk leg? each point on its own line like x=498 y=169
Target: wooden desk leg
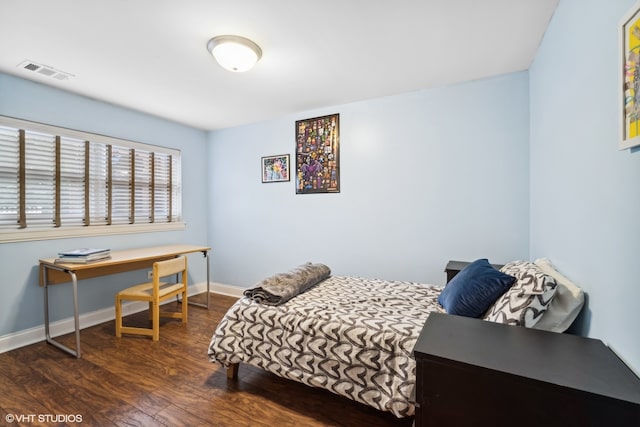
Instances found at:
x=232 y=371
x=76 y=315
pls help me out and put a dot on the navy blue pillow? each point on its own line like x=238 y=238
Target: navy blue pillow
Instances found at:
x=472 y=291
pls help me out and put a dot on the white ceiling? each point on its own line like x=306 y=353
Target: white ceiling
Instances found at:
x=151 y=56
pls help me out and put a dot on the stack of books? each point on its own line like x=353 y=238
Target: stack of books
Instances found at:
x=83 y=256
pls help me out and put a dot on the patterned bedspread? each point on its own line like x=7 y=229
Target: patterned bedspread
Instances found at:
x=350 y=335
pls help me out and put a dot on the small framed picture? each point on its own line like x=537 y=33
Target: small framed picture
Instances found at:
x=275 y=168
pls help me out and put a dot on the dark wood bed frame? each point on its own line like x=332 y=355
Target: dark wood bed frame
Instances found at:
x=232 y=371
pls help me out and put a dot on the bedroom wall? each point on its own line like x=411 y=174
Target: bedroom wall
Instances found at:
x=425 y=177
x=585 y=203
x=21 y=305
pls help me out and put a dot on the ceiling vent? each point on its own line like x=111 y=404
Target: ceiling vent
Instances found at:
x=45 y=70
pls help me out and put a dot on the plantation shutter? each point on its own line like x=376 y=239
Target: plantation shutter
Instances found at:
x=9 y=177
x=40 y=182
x=143 y=186
x=98 y=183
x=121 y=188
x=162 y=188
x=54 y=178
x=72 y=182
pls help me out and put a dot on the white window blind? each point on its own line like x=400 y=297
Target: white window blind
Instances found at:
x=98 y=184
x=40 y=183
x=9 y=177
x=72 y=181
x=56 y=178
x=143 y=202
x=121 y=176
x=162 y=185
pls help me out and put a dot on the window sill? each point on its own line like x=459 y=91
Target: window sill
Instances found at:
x=27 y=235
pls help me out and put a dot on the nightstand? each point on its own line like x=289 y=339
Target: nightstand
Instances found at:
x=454 y=267
x=471 y=372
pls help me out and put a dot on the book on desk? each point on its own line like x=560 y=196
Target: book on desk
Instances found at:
x=82 y=256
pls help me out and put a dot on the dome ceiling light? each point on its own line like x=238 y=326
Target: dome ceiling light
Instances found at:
x=234 y=53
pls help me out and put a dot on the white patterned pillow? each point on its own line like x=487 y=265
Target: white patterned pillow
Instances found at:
x=525 y=302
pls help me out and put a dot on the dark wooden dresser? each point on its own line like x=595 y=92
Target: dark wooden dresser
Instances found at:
x=476 y=373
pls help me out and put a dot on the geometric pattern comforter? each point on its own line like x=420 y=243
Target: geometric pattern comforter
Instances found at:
x=350 y=335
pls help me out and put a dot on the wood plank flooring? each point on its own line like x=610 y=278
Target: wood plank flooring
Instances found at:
x=134 y=381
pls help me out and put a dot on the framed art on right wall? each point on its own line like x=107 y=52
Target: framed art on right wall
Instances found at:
x=629 y=74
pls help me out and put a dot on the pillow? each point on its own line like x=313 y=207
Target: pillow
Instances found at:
x=474 y=289
x=527 y=300
x=565 y=305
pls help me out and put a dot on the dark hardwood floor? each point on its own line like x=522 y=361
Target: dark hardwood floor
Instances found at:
x=134 y=381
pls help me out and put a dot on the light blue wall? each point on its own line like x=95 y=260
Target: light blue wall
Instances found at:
x=21 y=305
x=519 y=166
x=426 y=177
x=585 y=202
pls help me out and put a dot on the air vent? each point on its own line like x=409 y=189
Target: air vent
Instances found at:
x=45 y=70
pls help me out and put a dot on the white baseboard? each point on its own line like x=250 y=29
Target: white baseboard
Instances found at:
x=36 y=334
x=222 y=289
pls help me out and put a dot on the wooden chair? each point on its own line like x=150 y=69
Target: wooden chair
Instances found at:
x=155 y=292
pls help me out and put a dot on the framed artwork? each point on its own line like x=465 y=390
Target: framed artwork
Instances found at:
x=629 y=40
x=318 y=155
x=275 y=168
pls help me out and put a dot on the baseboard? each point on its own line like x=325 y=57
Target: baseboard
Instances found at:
x=36 y=334
x=222 y=289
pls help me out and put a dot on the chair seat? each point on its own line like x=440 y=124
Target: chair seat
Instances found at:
x=145 y=290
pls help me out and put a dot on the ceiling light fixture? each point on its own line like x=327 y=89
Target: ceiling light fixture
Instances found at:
x=234 y=53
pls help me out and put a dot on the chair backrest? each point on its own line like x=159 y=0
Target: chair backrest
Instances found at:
x=170 y=266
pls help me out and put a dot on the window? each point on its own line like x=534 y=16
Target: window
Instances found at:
x=57 y=182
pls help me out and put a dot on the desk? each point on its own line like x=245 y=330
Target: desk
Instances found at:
x=52 y=273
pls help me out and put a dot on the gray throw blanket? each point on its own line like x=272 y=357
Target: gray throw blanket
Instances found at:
x=282 y=287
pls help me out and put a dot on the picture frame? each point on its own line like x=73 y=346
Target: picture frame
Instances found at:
x=275 y=168
x=318 y=155
x=629 y=74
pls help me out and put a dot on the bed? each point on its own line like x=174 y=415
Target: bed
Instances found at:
x=353 y=336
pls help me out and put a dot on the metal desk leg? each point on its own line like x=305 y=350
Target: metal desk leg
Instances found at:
x=76 y=316
x=206 y=255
